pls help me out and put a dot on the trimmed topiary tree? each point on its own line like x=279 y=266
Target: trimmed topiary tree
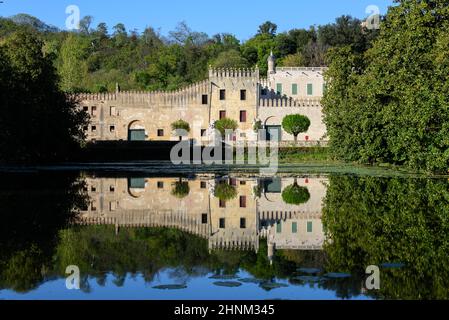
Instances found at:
x=295 y=194
x=181 y=189
x=225 y=124
x=224 y=191
x=180 y=125
x=295 y=124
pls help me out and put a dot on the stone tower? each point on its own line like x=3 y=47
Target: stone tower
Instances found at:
x=271 y=64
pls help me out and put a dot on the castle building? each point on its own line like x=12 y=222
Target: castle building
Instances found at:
x=239 y=94
x=233 y=223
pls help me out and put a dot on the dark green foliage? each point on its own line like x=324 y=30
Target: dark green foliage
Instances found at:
x=224 y=191
x=295 y=194
x=296 y=124
x=380 y=221
x=225 y=124
x=181 y=189
x=180 y=125
x=38 y=121
x=34 y=208
x=149 y=61
x=389 y=104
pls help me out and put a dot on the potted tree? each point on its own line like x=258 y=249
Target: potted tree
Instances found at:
x=180 y=127
x=295 y=124
x=225 y=124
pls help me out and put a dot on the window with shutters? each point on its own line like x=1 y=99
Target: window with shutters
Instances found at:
x=309 y=89
x=243 y=116
x=294 y=89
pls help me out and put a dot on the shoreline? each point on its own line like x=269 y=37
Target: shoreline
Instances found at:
x=166 y=167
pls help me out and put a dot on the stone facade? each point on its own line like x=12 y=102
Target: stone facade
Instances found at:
x=238 y=94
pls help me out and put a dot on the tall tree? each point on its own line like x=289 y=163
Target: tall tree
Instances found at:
x=390 y=103
x=39 y=122
x=73 y=66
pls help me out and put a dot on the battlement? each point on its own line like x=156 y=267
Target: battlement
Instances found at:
x=235 y=243
x=289 y=102
x=177 y=97
x=264 y=83
x=301 y=69
x=233 y=73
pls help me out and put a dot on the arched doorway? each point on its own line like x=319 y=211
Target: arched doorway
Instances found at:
x=273 y=127
x=136 y=131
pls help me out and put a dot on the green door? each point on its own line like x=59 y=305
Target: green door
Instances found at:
x=274 y=133
x=136 y=183
x=136 y=135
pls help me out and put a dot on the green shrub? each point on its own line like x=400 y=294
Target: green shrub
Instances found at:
x=224 y=191
x=295 y=194
x=295 y=124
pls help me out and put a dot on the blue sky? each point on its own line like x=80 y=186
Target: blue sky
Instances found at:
x=239 y=17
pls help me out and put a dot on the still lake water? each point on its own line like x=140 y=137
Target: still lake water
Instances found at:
x=213 y=236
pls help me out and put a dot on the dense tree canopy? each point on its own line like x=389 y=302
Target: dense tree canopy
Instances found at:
x=148 y=60
x=372 y=221
x=38 y=121
x=390 y=103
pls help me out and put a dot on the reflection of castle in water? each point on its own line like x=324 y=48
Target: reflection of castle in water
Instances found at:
x=256 y=210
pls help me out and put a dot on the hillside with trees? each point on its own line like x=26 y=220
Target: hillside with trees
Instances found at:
x=94 y=58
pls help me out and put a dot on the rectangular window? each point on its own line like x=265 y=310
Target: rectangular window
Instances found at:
x=112 y=128
x=111 y=188
x=222 y=203
x=204 y=218
x=294 y=227
x=309 y=89
x=222 y=94
x=86 y=109
x=242 y=95
x=204 y=99
x=243 y=183
x=112 y=111
x=93 y=206
x=242 y=223
x=294 y=89
x=94 y=111
x=222 y=114
x=93 y=189
x=160 y=185
x=279 y=88
x=203 y=185
x=243 y=202
x=242 y=116
x=86 y=128
x=203 y=132
x=112 y=206
x=94 y=128
x=136 y=183
x=160 y=132
x=278 y=227
x=309 y=226
x=222 y=223
x=233 y=182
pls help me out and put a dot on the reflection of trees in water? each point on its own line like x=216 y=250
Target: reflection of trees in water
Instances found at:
x=34 y=208
x=370 y=221
x=376 y=220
